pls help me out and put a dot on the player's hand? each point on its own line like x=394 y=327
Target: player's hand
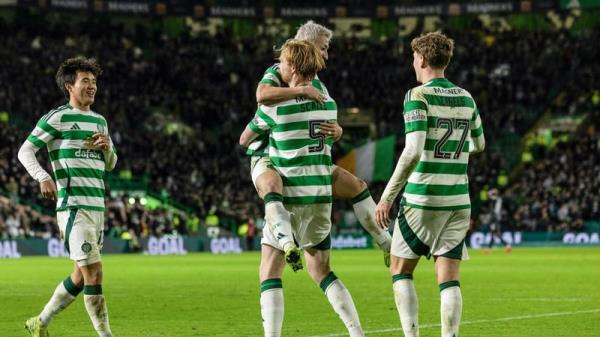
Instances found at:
x=98 y=141
x=382 y=212
x=311 y=92
x=331 y=130
x=48 y=189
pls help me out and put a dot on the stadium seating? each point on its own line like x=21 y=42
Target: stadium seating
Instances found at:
x=176 y=105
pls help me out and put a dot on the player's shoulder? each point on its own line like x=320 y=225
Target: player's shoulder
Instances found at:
x=56 y=113
x=97 y=115
x=415 y=93
x=272 y=76
x=274 y=68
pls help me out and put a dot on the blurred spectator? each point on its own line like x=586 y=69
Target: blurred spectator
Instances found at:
x=176 y=105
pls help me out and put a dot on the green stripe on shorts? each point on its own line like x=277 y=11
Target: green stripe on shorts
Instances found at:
x=410 y=237
x=456 y=252
x=72 y=214
x=325 y=244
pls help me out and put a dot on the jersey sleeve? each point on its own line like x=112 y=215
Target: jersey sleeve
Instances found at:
x=415 y=112
x=264 y=120
x=476 y=126
x=110 y=156
x=46 y=129
x=272 y=76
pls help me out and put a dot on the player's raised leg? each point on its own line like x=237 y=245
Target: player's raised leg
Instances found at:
x=447 y=271
x=271 y=290
x=317 y=262
x=270 y=188
x=348 y=186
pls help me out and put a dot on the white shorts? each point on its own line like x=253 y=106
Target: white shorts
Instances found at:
x=260 y=165
x=311 y=227
x=420 y=232
x=83 y=233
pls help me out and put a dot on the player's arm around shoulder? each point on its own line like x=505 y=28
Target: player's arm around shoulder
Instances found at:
x=271 y=89
x=268 y=94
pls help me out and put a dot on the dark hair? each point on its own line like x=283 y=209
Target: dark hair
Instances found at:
x=67 y=72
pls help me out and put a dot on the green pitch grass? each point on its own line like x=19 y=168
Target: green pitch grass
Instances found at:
x=530 y=292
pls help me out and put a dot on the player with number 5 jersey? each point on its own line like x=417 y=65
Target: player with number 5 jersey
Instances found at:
x=301 y=154
x=273 y=89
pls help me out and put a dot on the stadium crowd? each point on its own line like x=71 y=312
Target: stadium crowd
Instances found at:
x=559 y=191
x=176 y=106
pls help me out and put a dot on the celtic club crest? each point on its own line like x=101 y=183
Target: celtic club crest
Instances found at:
x=86 y=247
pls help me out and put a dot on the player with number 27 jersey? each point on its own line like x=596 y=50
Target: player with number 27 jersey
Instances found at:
x=450 y=117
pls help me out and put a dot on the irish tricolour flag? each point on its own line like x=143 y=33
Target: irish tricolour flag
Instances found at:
x=373 y=161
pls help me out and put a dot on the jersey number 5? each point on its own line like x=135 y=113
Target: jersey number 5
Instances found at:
x=313 y=132
x=458 y=123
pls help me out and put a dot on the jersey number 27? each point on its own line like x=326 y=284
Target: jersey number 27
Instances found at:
x=450 y=127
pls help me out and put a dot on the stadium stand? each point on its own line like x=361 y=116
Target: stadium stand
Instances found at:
x=176 y=105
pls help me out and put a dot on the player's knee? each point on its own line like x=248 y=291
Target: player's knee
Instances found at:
x=97 y=276
x=271 y=186
x=348 y=186
x=402 y=266
x=77 y=279
x=356 y=185
x=317 y=275
x=270 y=274
x=268 y=183
x=93 y=274
x=360 y=184
x=318 y=271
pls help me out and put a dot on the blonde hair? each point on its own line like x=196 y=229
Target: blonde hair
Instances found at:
x=311 y=31
x=436 y=48
x=303 y=56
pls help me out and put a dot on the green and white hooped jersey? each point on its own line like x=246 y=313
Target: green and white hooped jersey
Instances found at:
x=78 y=171
x=299 y=152
x=450 y=117
x=272 y=76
